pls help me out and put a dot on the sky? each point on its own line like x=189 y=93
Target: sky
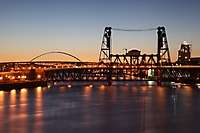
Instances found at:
x=31 y=27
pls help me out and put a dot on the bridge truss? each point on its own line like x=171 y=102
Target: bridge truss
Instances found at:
x=111 y=66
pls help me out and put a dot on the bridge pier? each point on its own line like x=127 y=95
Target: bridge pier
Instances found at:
x=158 y=77
x=32 y=75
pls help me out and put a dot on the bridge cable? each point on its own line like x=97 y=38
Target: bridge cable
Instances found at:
x=134 y=30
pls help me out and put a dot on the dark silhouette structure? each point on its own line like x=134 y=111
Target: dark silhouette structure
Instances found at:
x=184 y=54
x=162 y=57
x=129 y=66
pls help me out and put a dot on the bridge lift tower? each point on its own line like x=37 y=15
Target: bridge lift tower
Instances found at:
x=105 y=53
x=163 y=55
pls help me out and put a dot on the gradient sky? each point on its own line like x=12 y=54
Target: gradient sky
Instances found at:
x=31 y=27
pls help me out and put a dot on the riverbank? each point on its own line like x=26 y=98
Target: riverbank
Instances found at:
x=21 y=84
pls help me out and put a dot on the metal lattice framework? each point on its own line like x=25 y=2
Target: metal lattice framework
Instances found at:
x=140 y=60
x=169 y=73
x=110 y=66
x=163 y=49
x=185 y=74
x=161 y=58
x=105 y=51
x=99 y=74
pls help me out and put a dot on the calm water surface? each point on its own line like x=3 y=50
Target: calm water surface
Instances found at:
x=124 y=107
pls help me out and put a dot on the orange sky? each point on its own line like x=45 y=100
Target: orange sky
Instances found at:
x=29 y=28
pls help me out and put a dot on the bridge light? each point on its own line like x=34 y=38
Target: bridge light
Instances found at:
x=126 y=66
x=150 y=72
x=150 y=83
x=198 y=85
x=39 y=76
x=39 y=89
x=1 y=78
x=1 y=93
x=91 y=86
x=13 y=92
x=49 y=86
x=23 y=91
x=23 y=77
x=69 y=86
x=13 y=77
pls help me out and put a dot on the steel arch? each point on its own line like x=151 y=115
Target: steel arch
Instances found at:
x=55 y=52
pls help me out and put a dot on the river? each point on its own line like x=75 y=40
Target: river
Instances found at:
x=95 y=107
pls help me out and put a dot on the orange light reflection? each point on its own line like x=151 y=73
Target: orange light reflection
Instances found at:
x=23 y=110
x=12 y=110
x=102 y=88
x=161 y=97
x=188 y=90
x=1 y=108
x=62 y=89
x=87 y=91
x=38 y=109
x=13 y=97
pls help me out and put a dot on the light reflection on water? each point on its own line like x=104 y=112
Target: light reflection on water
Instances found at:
x=38 y=119
x=97 y=107
x=1 y=108
x=23 y=110
x=12 y=110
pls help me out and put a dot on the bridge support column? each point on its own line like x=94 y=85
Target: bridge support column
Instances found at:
x=32 y=75
x=158 y=77
x=109 y=75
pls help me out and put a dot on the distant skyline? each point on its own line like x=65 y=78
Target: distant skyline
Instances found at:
x=31 y=27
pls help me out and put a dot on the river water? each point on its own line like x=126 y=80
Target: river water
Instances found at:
x=83 y=107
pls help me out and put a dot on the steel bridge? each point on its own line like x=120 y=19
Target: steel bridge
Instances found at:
x=128 y=66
